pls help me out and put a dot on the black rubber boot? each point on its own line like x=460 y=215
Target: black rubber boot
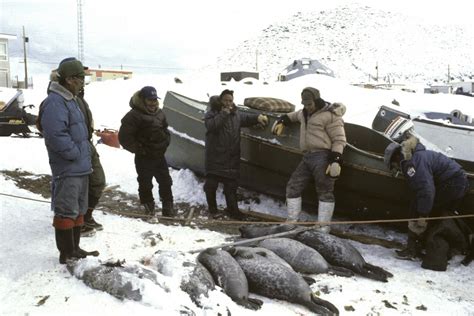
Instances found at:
x=90 y=221
x=65 y=244
x=211 y=202
x=78 y=251
x=233 y=206
x=149 y=208
x=168 y=209
x=413 y=249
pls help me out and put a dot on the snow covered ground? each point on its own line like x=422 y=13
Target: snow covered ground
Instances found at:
x=32 y=282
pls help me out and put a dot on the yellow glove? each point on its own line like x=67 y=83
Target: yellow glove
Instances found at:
x=277 y=128
x=418 y=226
x=262 y=120
x=333 y=170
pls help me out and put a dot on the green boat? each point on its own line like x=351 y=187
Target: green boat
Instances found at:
x=366 y=189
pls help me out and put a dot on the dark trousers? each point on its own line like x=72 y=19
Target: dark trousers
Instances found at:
x=149 y=168
x=96 y=179
x=312 y=167
x=212 y=182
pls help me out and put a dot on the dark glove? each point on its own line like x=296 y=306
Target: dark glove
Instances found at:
x=334 y=168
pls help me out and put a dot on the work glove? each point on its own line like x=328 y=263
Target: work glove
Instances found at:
x=334 y=168
x=262 y=120
x=277 y=128
x=418 y=226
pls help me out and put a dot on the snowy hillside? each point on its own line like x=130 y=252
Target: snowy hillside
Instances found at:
x=352 y=39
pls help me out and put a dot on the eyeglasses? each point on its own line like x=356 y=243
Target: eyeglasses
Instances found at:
x=80 y=78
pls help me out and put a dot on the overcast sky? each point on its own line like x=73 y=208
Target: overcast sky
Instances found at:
x=176 y=34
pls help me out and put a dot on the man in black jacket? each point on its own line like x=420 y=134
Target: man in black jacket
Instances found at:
x=144 y=132
x=222 y=159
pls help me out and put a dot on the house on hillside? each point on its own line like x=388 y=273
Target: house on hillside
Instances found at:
x=5 y=60
x=102 y=74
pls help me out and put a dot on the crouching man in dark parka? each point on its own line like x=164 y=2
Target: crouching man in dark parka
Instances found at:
x=438 y=185
x=144 y=132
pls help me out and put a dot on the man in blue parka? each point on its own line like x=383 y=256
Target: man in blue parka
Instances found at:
x=66 y=138
x=438 y=185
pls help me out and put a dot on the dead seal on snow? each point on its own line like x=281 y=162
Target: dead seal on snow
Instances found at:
x=301 y=257
x=256 y=230
x=196 y=281
x=117 y=279
x=341 y=253
x=267 y=253
x=275 y=280
x=229 y=276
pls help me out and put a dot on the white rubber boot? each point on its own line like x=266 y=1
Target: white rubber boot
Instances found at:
x=294 y=208
x=325 y=211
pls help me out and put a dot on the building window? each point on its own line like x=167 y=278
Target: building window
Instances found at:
x=3 y=51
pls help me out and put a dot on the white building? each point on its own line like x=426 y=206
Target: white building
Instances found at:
x=5 y=60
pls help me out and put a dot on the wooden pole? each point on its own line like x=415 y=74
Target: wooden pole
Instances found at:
x=251 y=240
x=25 y=40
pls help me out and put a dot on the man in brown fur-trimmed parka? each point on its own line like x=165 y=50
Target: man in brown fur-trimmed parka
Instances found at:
x=439 y=185
x=322 y=140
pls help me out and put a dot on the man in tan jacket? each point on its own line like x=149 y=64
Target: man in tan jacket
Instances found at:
x=322 y=140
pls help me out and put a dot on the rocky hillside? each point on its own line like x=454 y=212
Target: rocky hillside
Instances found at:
x=353 y=40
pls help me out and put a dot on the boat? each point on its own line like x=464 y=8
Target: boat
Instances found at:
x=451 y=133
x=365 y=190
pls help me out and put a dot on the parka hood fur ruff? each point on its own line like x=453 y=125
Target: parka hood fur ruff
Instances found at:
x=136 y=102
x=337 y=108
x=408 y=147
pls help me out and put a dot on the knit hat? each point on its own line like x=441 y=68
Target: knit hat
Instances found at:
x=310 y=93
x=149 y=92
x=71 y=67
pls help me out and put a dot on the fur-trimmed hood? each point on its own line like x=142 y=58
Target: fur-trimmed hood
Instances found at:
x=337 y=108
x=137 y=102
x=409 y=146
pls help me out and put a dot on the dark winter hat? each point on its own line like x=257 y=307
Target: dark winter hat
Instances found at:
x=310 y=93
x=390 y=150
x=149 y=92
x=226 y=91
x=70 y=66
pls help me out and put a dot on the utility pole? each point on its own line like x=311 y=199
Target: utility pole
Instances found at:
x=449 y=75
x=377 y=71
x=256 y=60
x=25 y=40
x=80 y=35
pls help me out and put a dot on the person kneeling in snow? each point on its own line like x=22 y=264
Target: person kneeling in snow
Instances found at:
x=439 y=185
x=144 y=132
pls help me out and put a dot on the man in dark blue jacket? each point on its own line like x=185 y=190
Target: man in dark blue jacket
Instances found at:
x=439 y=185
x=66 y=139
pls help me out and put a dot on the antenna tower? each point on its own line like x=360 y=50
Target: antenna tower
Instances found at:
x=80 y=36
